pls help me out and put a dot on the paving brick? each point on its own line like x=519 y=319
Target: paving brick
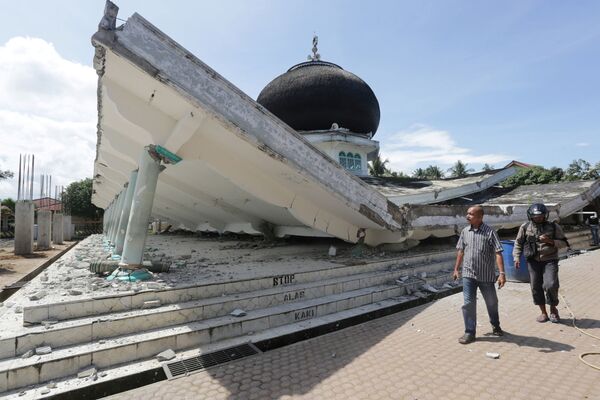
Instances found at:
x=415 y=354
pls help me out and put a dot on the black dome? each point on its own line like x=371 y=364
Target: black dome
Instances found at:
x=315 y=94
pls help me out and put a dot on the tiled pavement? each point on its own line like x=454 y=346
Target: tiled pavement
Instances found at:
x=414 y=354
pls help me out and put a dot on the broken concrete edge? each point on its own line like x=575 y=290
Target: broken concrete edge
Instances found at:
x=8 y=291
x=136 y=380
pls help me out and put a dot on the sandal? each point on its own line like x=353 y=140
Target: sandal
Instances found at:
x=542 y=318
x=554 y=318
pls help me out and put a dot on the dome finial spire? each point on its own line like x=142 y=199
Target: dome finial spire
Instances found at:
x=315 y=55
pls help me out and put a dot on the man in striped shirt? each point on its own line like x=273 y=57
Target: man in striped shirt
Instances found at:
x=477 y=248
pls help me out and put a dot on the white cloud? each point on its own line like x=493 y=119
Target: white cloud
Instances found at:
x=582 y=144
x=420 y=146
x=47 y=108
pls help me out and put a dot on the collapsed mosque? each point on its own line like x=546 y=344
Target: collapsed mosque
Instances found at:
x=178 y=142
x=294 y=162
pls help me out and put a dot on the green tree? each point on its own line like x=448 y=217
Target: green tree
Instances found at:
x=580 y=170
x=534 y=176
x=419 y=173
x=377 y=167
x=399 y=174
x=487 y=167
x=8 y=202
x=433 y=172
x=459 y=170
x=77 y=200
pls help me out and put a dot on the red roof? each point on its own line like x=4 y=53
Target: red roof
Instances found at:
x=47 y=203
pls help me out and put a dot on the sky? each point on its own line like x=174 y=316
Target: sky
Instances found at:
x=476 y=81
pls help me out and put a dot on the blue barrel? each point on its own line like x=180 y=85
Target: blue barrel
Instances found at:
x=513 y=274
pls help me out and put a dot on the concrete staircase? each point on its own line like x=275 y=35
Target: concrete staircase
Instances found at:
x=131 y=327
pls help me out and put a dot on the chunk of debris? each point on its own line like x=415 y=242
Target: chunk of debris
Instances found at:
x=423 y=274
x=404 y=278
x=494 y=356
x=51 y=385
x=447 y=285
x=27 y=354
x=87 y=372
x=429 y=288
x=166 y=355
x=18 y=309
x=151 y=304
x=43 y=350
x=153 y=285
x=45 y=391
x=420 y=294
x=48 y=324
x=237 y=313
x=75 y=292
x=332 y=251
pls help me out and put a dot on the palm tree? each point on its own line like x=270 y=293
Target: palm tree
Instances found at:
x=419 y=173
x=434 y=172
x=459 y=170
x=377 y=167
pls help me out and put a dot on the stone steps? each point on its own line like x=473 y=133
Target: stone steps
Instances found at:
x=131 y=301
x=68 y=332
x=128 y=371
x=17 y=372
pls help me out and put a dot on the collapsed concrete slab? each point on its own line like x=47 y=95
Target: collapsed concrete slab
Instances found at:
x=241 y=169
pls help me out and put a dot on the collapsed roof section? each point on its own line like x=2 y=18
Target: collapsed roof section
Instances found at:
x=242 y=169
x=435 y=191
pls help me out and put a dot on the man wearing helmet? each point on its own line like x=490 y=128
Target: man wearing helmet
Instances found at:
x=540 y=240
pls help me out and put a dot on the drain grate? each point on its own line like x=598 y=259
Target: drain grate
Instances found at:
x=178 y=369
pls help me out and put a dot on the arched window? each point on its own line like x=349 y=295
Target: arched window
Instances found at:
x=357 y=162
x=344 y=159
x=350 y=161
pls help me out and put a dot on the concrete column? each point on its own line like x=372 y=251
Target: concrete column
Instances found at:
x=67 y=227
x=141 y=208
x=109 y=211
x=44 y=229
x=116 y=217
x=24 y=227
x=57 y=228
x=105 y=220
x=126 y=211
x=111 y=215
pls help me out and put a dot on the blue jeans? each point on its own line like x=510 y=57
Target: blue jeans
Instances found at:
x=469 y=308
x=594 y=229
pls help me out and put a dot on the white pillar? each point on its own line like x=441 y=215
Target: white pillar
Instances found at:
x=141 y=208
x=110 y=220
x=67 y=227
x=24 y=227
x=44 y=229
x=116 y=217
x=105 y=220
x=57 y=228
x=126 y=211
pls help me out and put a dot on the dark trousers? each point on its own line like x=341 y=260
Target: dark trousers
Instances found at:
x=544 y=281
